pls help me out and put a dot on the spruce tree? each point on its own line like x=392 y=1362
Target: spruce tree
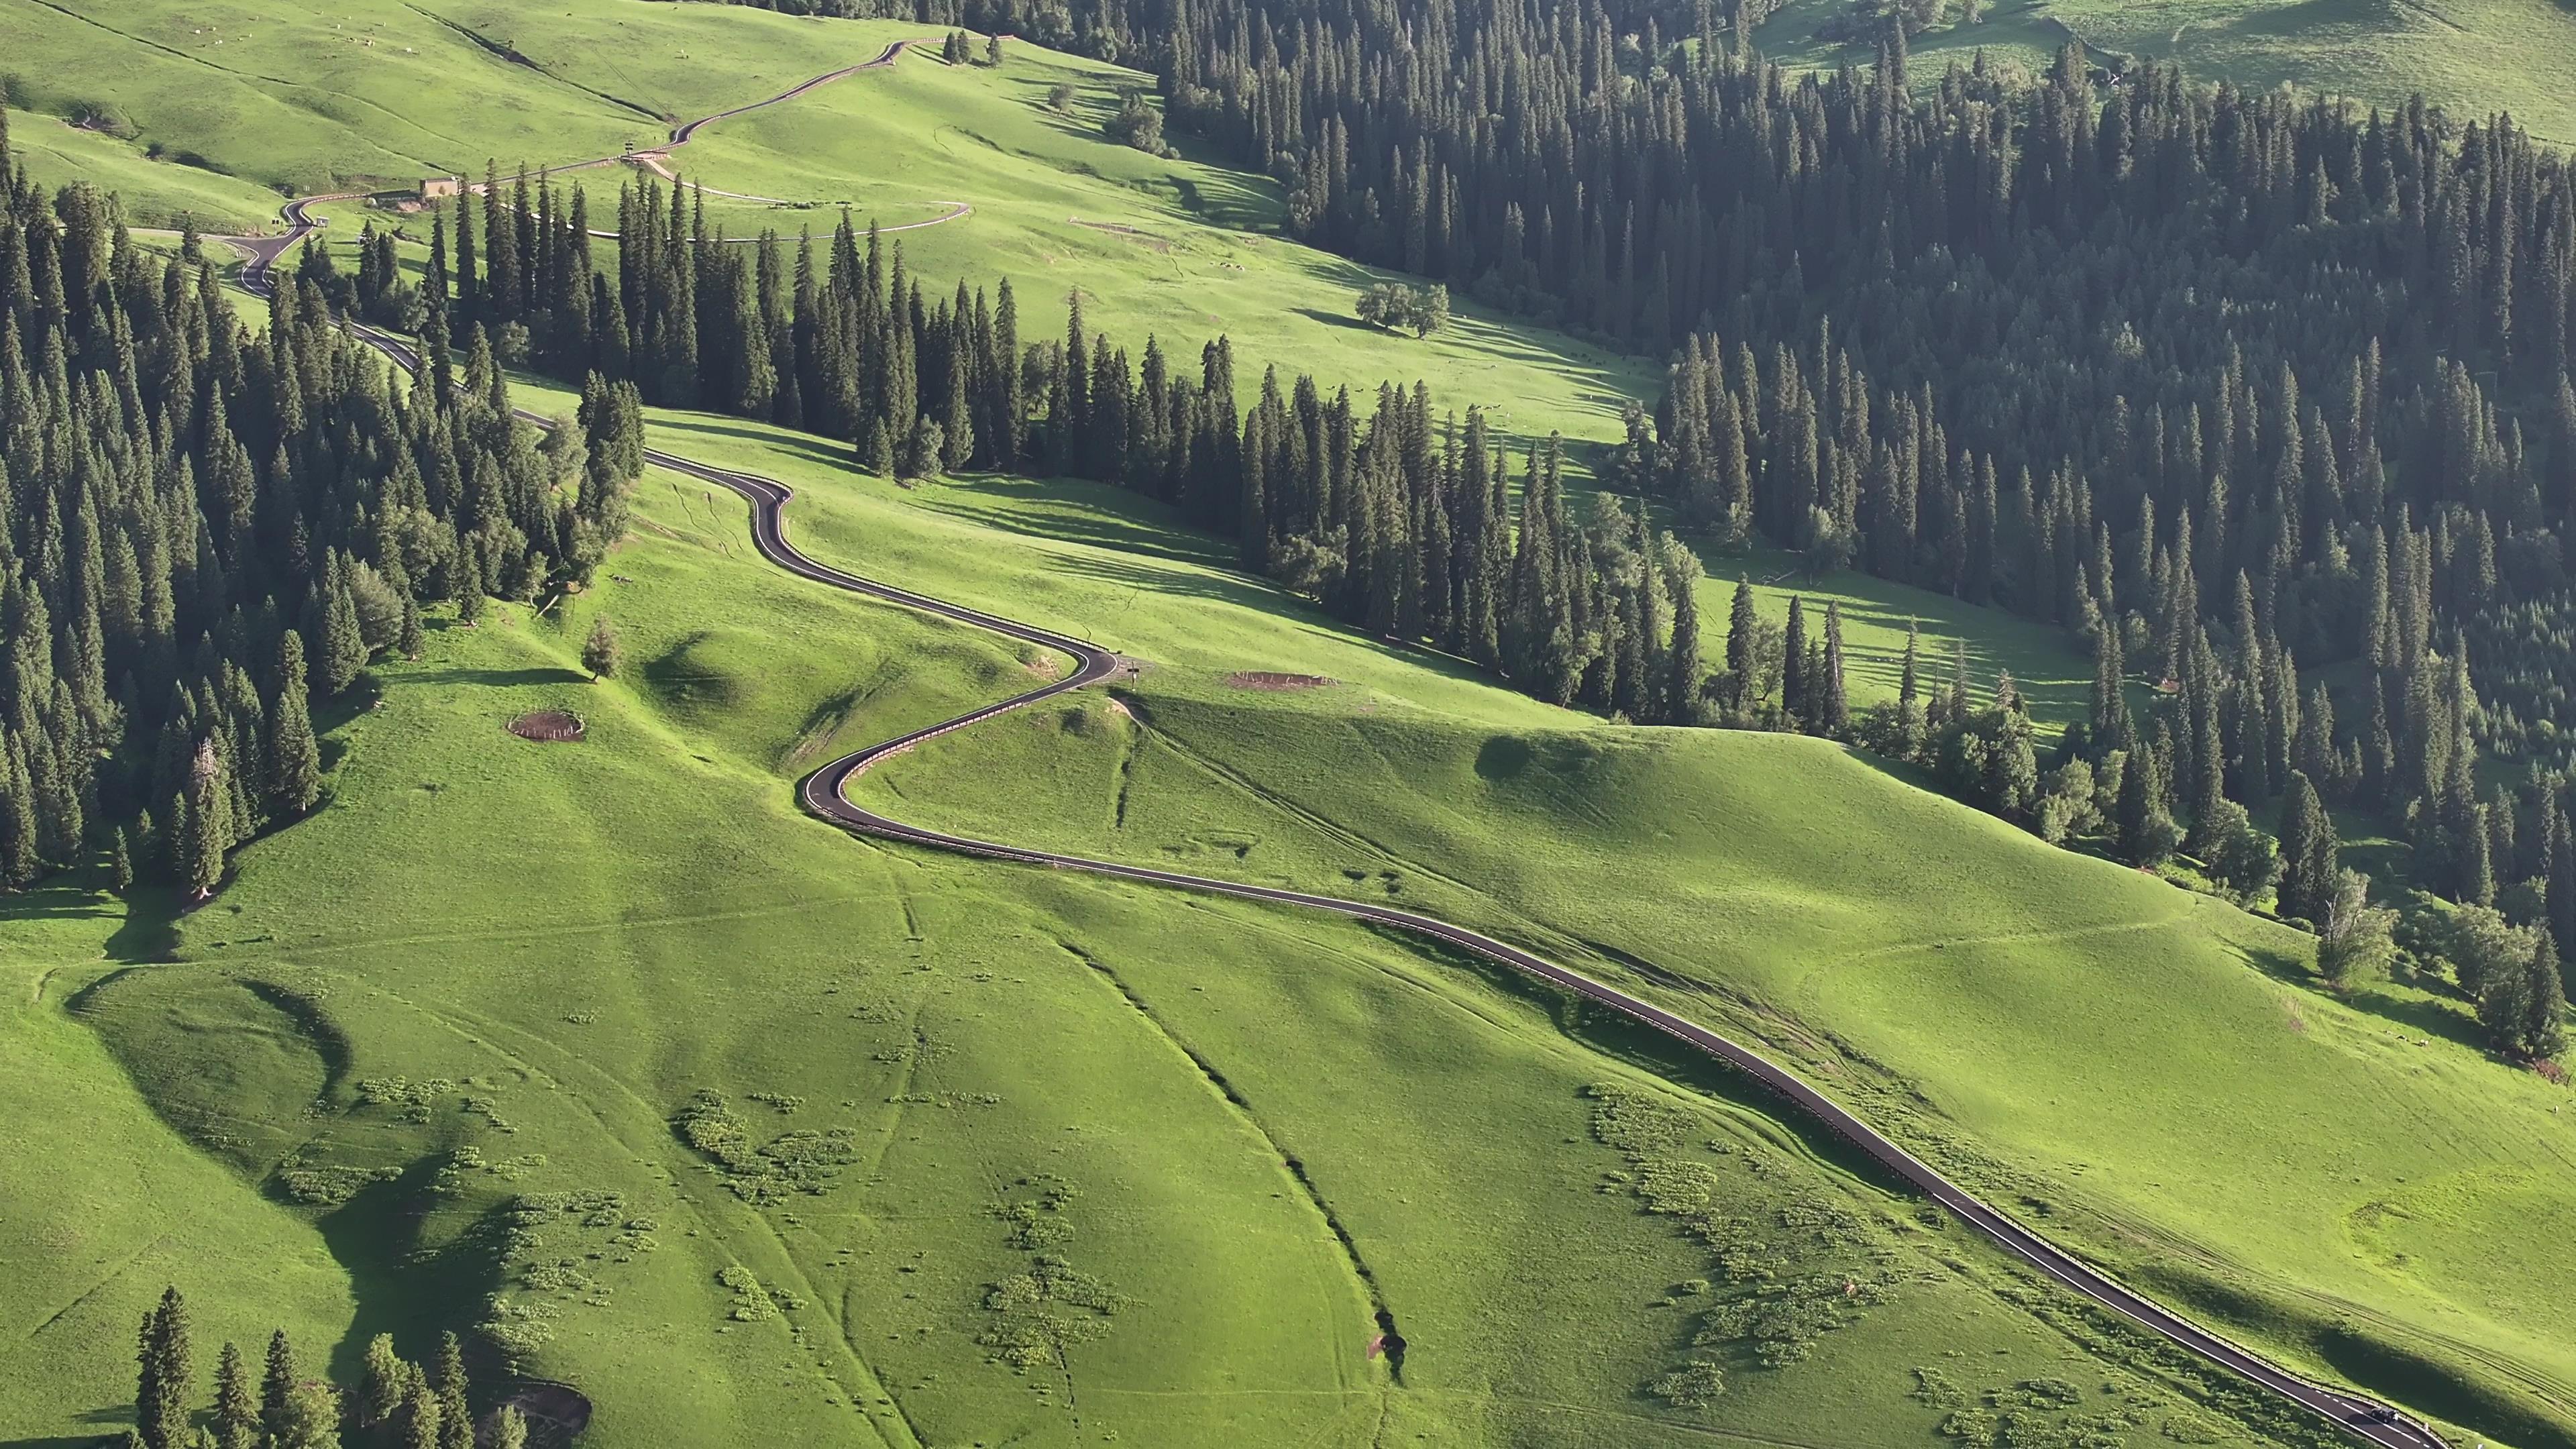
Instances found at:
x=164 y=1384
x=276 y=1382
x=1834 y=716
x=2308 y=853
x=2147 y=831
x=1742 y=625
x=295 y=760
x=455 y=1416
x=335 y=613
x=2543 y=1031
x=509 y=1428
x=384 y=1382
x=120 y=862
x=204 y=829
x=1793 y=667
x=237 y=1416
x=1682 y=667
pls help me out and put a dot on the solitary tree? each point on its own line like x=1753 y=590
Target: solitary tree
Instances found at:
x=599 y=651
x=2353 y=941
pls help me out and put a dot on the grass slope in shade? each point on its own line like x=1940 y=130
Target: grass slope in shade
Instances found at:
x=154 y=193
x=102 y=1203
x=431 y=1042
x=2472 y=57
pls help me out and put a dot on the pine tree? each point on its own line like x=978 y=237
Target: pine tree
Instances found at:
x=509 y=1429
x=2148 y=834
x=335 y=613
x=237 y=1416
x=2308 y=853
x=309 y=1418
x=1682 y=667
x=295 y=760
x=385 y=1381
x=1793 y=667
x=276 y=1383
x=2543 y=1031
x=204 y=829
x=1742 y=627
x=165 y=1382
x=1834 y=716
x=455 y=1416
x=120 y=862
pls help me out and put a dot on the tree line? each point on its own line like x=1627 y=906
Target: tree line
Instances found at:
x=397 y=1404
x=1393 y=517
x=206 y=533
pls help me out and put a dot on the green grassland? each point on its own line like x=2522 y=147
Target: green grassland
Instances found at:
x=1176 y=248
x=2147 y=1071
x=419 y=1064
x=2473 y=57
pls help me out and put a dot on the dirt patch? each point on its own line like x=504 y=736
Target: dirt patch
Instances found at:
x=1044 y=666
x=1264 y=679
x=1119 y=708
x=548 y=726
x=556 y=1413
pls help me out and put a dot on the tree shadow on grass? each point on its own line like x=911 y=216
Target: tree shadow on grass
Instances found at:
x=806 y=444
x=1336 y=319
x=411 y=1294
x=498 y=678
x=1117 y=524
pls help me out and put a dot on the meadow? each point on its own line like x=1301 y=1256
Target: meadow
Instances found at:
x=1024 y=1157
x=2473 y=57
x=758 y=1133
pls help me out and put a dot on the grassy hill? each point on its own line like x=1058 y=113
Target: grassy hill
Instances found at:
x=421 y=1062
x=373 y=96
x=1006 y=1156
x=2474 y=57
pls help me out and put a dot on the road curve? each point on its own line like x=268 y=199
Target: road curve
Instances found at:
x=823 y=794
x=263 y=251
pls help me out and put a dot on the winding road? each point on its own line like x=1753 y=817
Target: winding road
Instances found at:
x=301 y=223
x=824 y=794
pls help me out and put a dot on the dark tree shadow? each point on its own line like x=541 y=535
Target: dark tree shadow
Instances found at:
x=499 y=678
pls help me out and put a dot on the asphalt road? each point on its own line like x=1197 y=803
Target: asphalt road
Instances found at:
x=821 y=793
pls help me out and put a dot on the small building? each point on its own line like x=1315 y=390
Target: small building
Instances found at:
x=434 y=187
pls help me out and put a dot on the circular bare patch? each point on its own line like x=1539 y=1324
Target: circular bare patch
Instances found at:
x=1264 y=679
x=548 y=726
x=555 y=1413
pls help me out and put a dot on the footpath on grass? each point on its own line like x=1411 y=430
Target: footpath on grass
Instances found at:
x=824 y=793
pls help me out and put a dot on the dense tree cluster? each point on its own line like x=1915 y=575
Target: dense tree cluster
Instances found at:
x=203 y=532
x=1397 y=307
x=396 y=1405
x=1397 y=521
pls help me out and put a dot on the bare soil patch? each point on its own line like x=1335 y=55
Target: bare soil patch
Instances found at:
x=556 y=1414
x=1265 y=679
x=548 y=726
